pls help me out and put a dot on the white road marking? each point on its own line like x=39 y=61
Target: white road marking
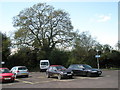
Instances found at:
x=27 y=82
x=88 y=77
x=40 y=77
x=93 y=78
x=81 y=77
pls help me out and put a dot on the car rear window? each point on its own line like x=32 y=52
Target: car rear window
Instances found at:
x=44 y=63
x=22 y=68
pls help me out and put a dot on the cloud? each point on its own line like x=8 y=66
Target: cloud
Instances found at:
x=100 y=18
x=104 y=18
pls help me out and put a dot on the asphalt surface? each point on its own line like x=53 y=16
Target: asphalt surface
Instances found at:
x=108 y=79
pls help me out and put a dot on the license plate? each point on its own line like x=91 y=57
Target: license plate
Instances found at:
x=69 y=74
x=24 y=74
x=7 y=78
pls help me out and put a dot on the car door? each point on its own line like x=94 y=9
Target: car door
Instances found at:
x=13 y=70
x=50 y=71
x=54 y=70
x=77 y=70
x=82 y=70
x=72 y=67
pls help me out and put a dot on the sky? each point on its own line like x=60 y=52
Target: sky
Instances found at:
x=100 y=19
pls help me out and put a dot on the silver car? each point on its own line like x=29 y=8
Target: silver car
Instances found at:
x=20 y=71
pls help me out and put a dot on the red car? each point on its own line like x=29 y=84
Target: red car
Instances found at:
x=6 y=75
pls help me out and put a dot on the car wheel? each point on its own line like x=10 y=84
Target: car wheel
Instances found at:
x=59 y=77
x=12 y=81
x=70 y=77
x=47 y=75
x=88 y=74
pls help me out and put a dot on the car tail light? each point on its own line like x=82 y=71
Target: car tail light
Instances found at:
x=17 y=71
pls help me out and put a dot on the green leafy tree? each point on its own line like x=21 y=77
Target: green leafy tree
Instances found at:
x=43 y=27
x=83 y=51
x=24 y=57
x=59 y=57
x=6 y=44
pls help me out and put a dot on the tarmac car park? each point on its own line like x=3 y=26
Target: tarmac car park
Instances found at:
x=108 y=79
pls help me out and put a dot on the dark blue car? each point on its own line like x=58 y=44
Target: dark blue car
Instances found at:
x=84 y=70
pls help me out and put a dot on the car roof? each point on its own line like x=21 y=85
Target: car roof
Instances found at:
x=3 y=68
x=44 y=60
x=55 y=65
x=19 y=66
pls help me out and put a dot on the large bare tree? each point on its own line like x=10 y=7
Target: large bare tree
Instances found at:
x=41 y=26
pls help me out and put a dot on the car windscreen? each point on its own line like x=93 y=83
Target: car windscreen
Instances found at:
x=87 y=66
x=60 y=68
x=22 y=68
x=4 y=71
x=44 y=63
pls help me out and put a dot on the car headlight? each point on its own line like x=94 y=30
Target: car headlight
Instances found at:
x=61 y=72
x=88 y=70
x=72 y=72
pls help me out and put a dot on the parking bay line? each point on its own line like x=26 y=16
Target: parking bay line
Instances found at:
x=36 y=82
x=87 y=78
x=28 y=82
x=62 y=80
x=81 y=77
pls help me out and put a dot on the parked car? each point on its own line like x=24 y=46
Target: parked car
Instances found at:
x=44 y=65
x=83 y=69
x=6 y=75
x=20 y=71
x=58 y=71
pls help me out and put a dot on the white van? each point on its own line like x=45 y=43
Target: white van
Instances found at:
x=44 y=64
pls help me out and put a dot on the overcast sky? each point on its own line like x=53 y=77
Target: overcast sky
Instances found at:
x=99 y=18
